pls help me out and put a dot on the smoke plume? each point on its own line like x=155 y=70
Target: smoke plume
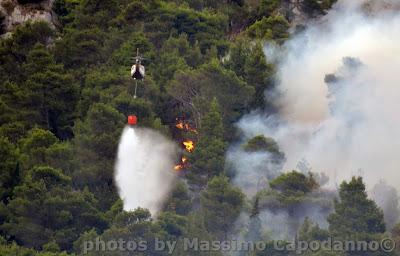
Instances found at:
x=144 y=167
x=337 y=98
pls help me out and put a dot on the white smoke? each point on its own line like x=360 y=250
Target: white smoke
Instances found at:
x=144 y=167
x=388 y=200
x=338 y=97
x=256 y=168
x=349 y=126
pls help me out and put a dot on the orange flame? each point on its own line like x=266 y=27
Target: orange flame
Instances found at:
x=178 y=167
x=184 y=160
x=189 y=145
x=185 y=126
x=180 y=125
x=181 y=165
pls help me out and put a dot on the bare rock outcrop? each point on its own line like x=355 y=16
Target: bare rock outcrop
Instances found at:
x=14 y=13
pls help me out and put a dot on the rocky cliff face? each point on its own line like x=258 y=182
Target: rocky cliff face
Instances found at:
x=13 y=13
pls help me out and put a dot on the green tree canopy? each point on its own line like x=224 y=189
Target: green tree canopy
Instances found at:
x=95 y=146
x=221 y=204
x=46 y=208
x=354 y=212
x=292 y=182
x=50 y=92
x=9 y=169
x=262 y=143
x=209 y=153
x=270 y=28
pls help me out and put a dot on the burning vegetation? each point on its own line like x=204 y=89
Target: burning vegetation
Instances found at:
x=182 y=165
x=185 y=126
x=188 y=145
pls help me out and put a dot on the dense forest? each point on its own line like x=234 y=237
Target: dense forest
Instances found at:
x=65 y=94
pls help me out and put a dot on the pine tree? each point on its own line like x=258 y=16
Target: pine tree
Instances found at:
x=356 y=218
x=95 y=145
x=180 y=201
x=221 y=204
x=239 y=53
x=41 y=147
x=208 y=157
x=9 y=169
x=50 y=93
x=354 y=212
x=211 y=125
x=310 y=231
x=258 y=74
x=254 y=228
x=45 y=207
x=248 y=61
x=387 y=199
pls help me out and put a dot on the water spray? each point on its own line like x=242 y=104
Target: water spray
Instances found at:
x=144 y=167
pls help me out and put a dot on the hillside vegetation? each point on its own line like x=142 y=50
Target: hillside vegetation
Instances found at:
x=65 y=94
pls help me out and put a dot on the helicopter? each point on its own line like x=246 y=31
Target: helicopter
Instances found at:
x=137 y=70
